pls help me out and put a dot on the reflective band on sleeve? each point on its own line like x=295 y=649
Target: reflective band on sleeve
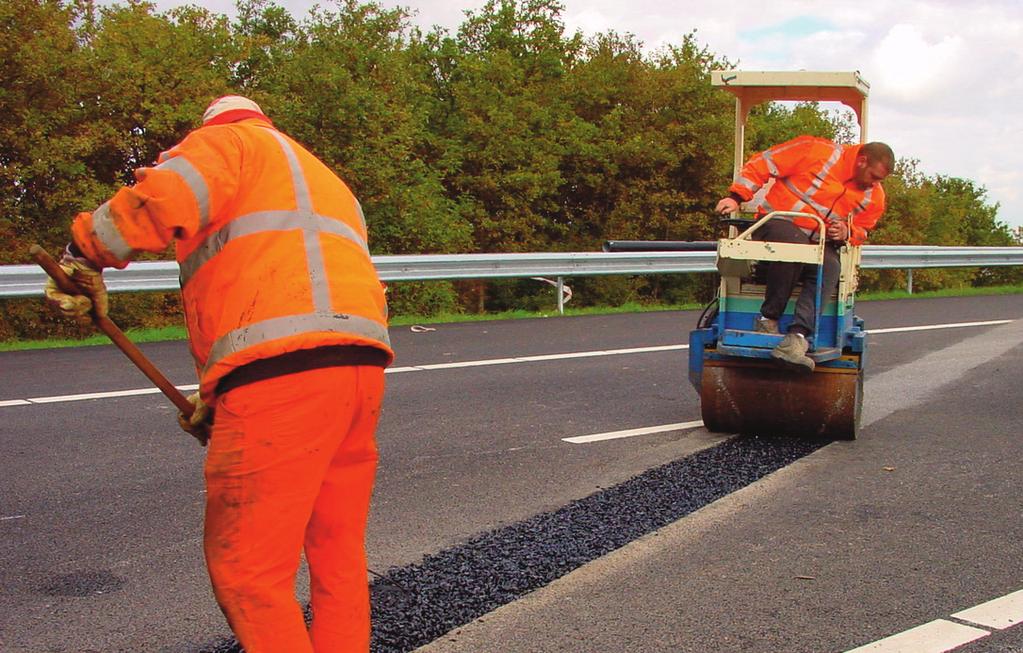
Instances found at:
x=106 y=232
x=195 y=182
x=282 y=327
x=748 y=183
x=775 y=151
x=261 y=222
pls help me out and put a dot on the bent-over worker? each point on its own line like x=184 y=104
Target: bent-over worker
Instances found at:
x=287 y=325
x=839 y=183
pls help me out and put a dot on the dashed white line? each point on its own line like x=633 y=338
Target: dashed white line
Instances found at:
x=475 y=363
x=612 y=435
x=937 y=636
x=943 y=635
x=9 y=518
x=1003 y=612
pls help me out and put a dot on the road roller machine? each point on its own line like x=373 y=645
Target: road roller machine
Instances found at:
x=742 y=389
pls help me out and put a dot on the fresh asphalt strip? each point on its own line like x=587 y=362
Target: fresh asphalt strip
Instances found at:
x=415 y=604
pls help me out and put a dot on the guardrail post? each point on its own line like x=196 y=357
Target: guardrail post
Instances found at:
x=909 y=281
x=561 y=295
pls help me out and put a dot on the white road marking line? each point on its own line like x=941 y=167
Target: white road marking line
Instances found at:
x=1003 y=612
x=104 y=395
x=534 y=359
x=93 y=395
x=931 y=327
x=12 y=517
x=463 y=364
x=934 y=637
x=612 y=435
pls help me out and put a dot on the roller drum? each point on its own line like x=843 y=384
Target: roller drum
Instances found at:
x=760 y=398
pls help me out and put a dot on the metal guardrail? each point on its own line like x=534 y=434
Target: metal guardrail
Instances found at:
x=27 y=280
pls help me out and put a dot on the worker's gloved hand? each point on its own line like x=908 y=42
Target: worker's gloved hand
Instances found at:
x=200 y=424
x=838 y=231
x=89 y=279
x=726 y=206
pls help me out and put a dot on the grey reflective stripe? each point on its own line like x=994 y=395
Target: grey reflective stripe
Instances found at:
x=264 y=221
x=303 y=201
x=107 y=233
x=825 y=169
x=195 y=182
x=823 y=210
x=317 y=270
x=748 y=183
x=313 y=248
x=362 y=216
x=864 y=203
x=282 y=327
x=769 y=155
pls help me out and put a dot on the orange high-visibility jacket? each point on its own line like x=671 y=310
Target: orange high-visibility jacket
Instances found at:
x=813 y=175
x=271 y=245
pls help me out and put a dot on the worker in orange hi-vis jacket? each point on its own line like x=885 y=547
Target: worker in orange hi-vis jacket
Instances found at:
x=839 y=183
x=287 y=323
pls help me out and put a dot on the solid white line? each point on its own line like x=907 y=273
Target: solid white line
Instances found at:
x=612 y=435
x=93 y=395
x=534 y=359
x=12 y=517
x=934 y=637
x=931 y=327
x=102 y=395
x=463 y=364
x=1003 y=612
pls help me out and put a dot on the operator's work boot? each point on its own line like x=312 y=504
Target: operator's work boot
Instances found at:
x=765 y=325
x=792 y=351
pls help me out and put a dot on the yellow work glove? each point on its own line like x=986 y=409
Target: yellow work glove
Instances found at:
x=89 y=279
x=200 y=424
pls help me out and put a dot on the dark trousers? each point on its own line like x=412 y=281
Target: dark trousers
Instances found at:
x=782 y=277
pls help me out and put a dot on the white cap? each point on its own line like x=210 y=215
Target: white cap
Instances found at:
x=229 y=103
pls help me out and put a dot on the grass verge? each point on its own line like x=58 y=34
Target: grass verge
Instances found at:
x=178 y=332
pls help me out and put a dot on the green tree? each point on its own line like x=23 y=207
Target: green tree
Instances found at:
x=44 y=129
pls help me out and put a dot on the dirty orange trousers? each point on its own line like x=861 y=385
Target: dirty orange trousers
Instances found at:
x=291 y=465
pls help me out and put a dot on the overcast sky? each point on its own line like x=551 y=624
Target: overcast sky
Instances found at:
x=946 y=76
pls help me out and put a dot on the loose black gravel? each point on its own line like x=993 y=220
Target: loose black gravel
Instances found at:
x=415 y=604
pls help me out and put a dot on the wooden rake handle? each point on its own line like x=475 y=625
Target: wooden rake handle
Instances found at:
x=104 y=324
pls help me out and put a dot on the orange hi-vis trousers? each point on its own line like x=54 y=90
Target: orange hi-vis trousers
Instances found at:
x=291 y=465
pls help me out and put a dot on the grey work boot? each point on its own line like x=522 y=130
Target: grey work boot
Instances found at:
x=765 y=325
x=792 y=351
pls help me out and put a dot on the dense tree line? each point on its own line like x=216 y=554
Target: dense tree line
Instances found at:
x=508 y=135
